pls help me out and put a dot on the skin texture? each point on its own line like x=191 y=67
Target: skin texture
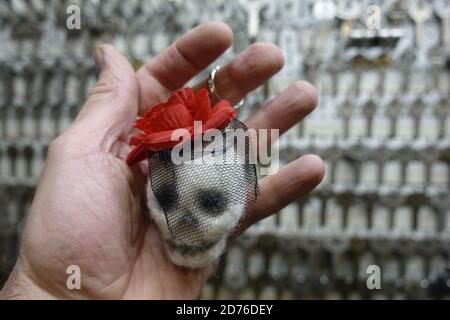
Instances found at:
x=89 y=209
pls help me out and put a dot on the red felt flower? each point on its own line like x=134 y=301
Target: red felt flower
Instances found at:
x=180 y=111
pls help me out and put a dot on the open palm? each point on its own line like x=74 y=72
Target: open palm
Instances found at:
x=89 y=209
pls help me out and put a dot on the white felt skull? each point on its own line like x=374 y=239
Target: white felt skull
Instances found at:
x=204 y=217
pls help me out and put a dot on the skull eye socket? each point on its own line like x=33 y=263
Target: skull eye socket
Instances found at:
x=167 y=196
x=213 y=201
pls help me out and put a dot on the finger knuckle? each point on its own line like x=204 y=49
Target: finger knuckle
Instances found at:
x=112 y=90
x=102 y=88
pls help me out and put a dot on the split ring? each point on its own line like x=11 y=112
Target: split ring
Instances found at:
x=213 y=90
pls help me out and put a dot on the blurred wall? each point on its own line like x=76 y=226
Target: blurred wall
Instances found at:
x=382 y=126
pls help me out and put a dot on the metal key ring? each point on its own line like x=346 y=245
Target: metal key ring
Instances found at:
x=212 y=87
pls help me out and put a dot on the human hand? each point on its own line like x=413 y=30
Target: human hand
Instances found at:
x=89 y=208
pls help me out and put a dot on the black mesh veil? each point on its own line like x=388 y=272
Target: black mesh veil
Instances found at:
x=195 y=195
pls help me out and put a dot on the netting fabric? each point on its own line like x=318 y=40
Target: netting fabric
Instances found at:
x=199 y=196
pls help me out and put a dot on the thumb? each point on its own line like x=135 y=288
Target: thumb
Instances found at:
x=112 y=105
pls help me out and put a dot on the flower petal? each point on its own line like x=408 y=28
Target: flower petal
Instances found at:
x=138 y=154
x=184 y=96
x=136 y=139
x=180 y=111
x=222 y=114
x=203 y=112
x=146 y=123
x=175 y=116
x=153 y=142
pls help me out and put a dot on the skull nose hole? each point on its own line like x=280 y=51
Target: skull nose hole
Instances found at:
x=213 y=201
x=188 y=220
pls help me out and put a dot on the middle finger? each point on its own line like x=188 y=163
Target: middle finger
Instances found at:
x=246 y=72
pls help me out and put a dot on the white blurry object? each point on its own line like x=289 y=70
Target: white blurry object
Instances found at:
x=194 y=204
x=426 y=220
x=403 y=219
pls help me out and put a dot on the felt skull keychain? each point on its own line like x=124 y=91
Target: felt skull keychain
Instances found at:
x=197 y=202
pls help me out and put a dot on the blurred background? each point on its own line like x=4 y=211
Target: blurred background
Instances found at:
x=382 y=126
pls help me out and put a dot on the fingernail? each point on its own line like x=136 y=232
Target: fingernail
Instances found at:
x=98 y=58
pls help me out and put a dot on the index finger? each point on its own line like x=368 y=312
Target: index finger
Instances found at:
x=181 y=61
